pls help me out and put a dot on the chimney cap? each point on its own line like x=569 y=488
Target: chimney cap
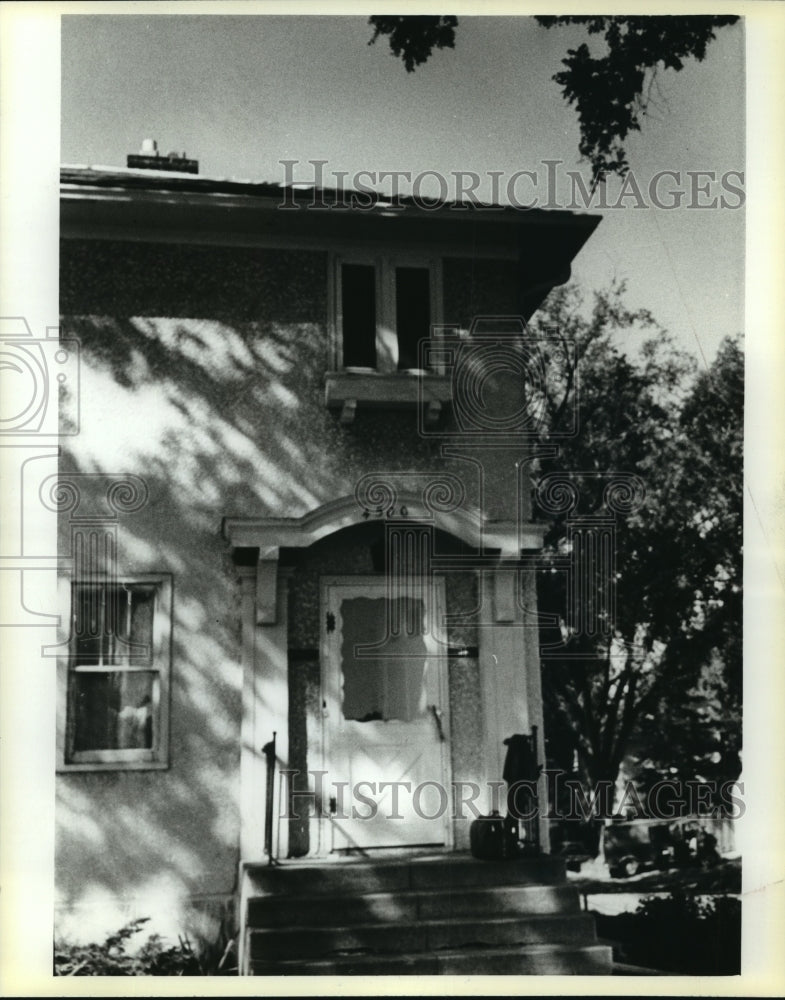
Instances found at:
x=149 y=158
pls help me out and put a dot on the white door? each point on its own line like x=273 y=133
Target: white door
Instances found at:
x=385 y=706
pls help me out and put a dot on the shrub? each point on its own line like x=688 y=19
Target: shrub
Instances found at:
x=110 y=957
x=678 y=933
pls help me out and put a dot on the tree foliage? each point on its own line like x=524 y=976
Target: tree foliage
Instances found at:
x=703 y=737
x=670 y=648
x=414 y=38
x=611 y=91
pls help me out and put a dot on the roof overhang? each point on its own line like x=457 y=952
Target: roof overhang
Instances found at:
x=158 y=207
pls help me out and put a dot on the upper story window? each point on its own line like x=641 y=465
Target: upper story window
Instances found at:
x=116 y=702
x=384 y=308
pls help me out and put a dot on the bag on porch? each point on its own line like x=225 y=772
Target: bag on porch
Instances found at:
x=491 y=838
x=521 y=772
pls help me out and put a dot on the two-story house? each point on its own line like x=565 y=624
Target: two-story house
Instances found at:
x=296 y=546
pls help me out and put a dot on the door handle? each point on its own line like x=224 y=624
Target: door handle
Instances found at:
x=437 y=716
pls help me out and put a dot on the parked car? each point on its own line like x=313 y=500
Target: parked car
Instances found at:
x=643 y=845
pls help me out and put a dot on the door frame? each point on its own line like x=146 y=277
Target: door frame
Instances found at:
x=441 y=663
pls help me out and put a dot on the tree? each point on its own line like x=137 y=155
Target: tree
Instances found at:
x=611 y=92
x=671 y=646
x=711 y=484
x=703 y=738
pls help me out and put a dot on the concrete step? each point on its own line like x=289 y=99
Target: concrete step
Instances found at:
x=411 y=905
x=428 y=935
x=349 y=878
x=430 y=914
x=536 y=959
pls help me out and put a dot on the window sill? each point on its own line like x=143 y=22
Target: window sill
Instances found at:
x=395 y=390
x=114 y=765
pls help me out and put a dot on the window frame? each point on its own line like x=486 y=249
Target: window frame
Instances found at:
x=129 y=759
x=386 y=332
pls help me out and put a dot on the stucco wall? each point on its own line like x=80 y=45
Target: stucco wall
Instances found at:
x=202 y=372
x=477 y=287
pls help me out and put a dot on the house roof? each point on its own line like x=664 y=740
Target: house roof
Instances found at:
x=134 y=204
x=130 y=179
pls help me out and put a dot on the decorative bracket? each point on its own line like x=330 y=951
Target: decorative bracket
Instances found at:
x=504 y=603
x=433 y=410
x=348 y=411
x=266 y=591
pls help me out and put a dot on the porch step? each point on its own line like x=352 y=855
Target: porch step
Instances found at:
x=358 y=875
x=420 y=915
x=426 y=935
x=532 y=960
x=411 y=905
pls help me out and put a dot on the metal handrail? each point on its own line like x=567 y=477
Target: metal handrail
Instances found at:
x=269 y=752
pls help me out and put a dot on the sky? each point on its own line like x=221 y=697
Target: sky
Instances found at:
x=242 y=93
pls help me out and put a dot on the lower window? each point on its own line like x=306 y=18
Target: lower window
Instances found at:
x=118 y=673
